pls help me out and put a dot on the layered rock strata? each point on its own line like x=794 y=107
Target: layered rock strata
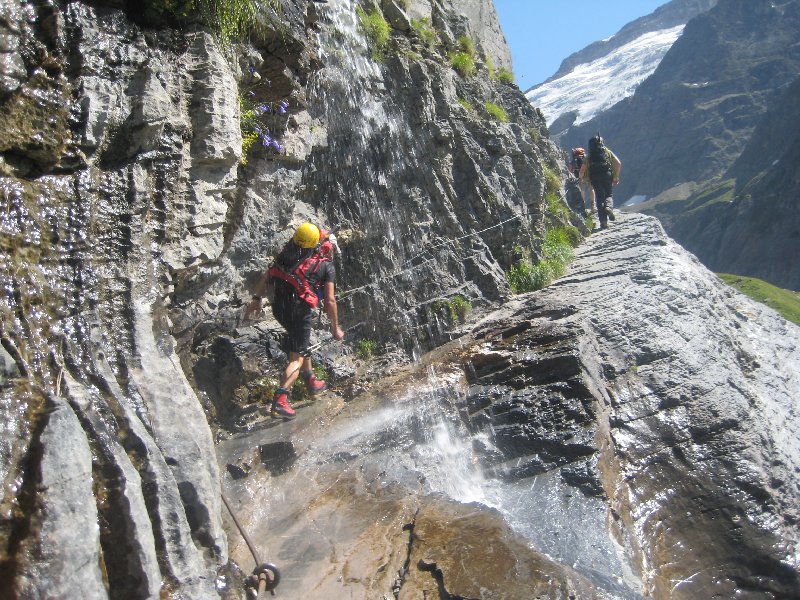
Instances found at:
x=639 y=385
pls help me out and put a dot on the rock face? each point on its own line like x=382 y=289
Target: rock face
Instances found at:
x=639 y=410
x=133 y=229
x=668 y=404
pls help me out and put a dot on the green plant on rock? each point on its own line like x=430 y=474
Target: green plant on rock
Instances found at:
x=487 y=60
x=366 y=349
x=535 y=135
x=456 y=308
x=465 y=44
x=377 y=30
x=423 y=29
x=552 y=181
x=463 y=63
x=466 y=104
x=253 y=123
x=557 y=252
x=556 y=206
x=496 y=112
x=463 y=58
x=231 y=19
x=503 y=75
x=460 y=308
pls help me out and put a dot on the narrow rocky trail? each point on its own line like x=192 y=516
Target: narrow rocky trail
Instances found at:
x=632 y=392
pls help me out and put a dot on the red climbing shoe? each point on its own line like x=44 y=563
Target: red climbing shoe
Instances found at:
x=281 y=406
x=313 y=385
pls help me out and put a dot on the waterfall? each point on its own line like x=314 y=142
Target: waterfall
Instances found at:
x=364 y=130
x=421 y=440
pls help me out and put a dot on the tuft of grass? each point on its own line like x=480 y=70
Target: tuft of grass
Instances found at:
x=423 y=29
x=463 y=63
x=366 y=349
x=465 y=44
x=377 y=30
x=457 y=308
x=556 y=206
x=552 y=180
x=567 y=235
x=463 y=59
x=496 y=112
x=487 y=60
x=525 y=277
x=466 y=104
x=784 y=302
x=535 y=134
x=557 y=253
x=231 y=19
x=503 y=75
x=460 y=307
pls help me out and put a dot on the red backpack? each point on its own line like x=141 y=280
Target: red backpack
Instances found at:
x=297 y=276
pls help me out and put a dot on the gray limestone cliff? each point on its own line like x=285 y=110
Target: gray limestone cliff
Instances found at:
x=132 y=231
x=133 y=228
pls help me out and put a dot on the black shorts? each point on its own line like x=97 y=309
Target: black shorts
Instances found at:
x=297 y=318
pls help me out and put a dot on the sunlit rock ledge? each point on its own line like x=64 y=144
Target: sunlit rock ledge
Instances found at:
x=629 y=431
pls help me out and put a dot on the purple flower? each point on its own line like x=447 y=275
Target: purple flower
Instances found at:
x=282 y=107
x=266 y=140
x=261 y=109
x=277 y=145
x=257 y=129
x=252 y=69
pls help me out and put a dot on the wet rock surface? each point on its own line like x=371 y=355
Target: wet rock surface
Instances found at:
x=639 y=381
x=132 y=235
x=676 y=402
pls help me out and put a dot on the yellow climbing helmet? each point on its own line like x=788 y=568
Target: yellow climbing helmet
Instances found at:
x=306 y=236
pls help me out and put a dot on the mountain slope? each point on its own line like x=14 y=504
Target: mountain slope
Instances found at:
x=583 y=84
x=577 y=96
x=693 y=117
x=747 y=223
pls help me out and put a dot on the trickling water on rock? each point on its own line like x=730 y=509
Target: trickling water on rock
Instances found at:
x=584 y=430
x=131 y=234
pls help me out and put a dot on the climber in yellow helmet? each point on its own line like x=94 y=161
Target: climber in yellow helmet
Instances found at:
x=303 y=275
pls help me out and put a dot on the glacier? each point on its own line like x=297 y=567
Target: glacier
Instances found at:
x=593 y=87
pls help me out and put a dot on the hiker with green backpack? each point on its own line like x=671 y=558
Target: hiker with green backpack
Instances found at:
x=602 y=167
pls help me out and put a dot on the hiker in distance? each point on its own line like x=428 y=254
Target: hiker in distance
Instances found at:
x=602 y=167
x=303 y=275
x=587 y=193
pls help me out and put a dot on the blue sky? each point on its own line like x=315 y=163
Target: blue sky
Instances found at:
x=542 y=33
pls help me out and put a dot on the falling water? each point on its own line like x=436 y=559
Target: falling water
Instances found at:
x=368 y=172
x=422 y=437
